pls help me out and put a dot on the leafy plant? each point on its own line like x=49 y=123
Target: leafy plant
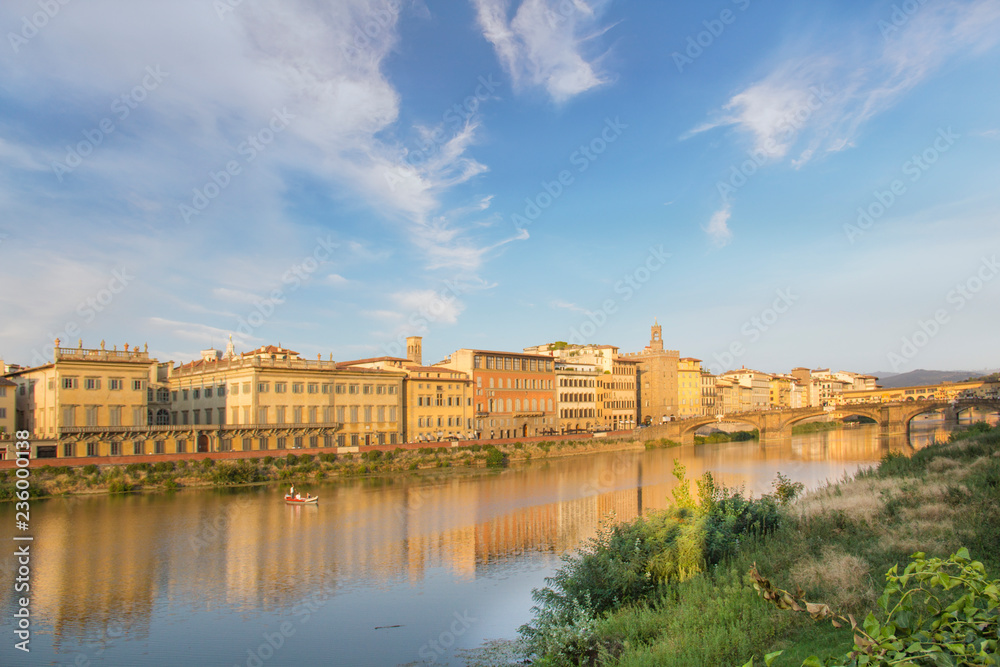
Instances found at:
x=924 y=623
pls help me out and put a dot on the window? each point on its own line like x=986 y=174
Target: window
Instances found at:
x=261 y=415
x=280 y=387
x=115 y=415
x=69 y=449
x=297 y=387
x=340 y=388
x=340 y=414
x=297 y=414
x=354 y=413
x=279 y=415
x=367 y=389
x=137 y=447
x=184 y=394
x=261 y=443
x=116 y=448
x=196 y=394
x=68 y=383
x=341 y=440
x=297 y=442
x=313 y=388
x=313 y=441
x=3 y=413
x=222 y=390
x=246 y=387
x=312 y=415
x=181 y=446
x=92 y=415
x=392 y=389
x=352 y=389
x=115 y=384
x=197 y=416
x=208 y=392
x=226 y=445
x=158 y=447
x=138 y=385
x=263 y=387
x=92 y=449
x=280 y=442
x=381 y=413
x=246 y=444
x=368 y=414
x=92 y=383
x=477 y=361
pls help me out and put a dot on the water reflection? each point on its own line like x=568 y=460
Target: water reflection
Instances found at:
x=146 y=564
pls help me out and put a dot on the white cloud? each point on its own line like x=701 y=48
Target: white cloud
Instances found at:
x=542 y=45
x=431 y=305
x=337 y=280
x=825 y=98
x=566 y=305
x=718 y=226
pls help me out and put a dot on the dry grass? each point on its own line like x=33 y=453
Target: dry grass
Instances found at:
x=942 y=464
x=860 y=500
x=841 y=579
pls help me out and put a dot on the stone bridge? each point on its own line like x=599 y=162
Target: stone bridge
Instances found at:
x=893 y=418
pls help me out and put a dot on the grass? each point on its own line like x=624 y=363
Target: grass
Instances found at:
x=836 y=544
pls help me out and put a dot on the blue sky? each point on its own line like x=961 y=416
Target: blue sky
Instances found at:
x=777 y=184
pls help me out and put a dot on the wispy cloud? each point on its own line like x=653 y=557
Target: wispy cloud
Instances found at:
x=718 y=226
x=818 y=101
x=544 y=43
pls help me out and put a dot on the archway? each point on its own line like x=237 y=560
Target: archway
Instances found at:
x=203 y=444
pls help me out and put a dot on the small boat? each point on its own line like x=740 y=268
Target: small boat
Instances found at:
x=299 y=500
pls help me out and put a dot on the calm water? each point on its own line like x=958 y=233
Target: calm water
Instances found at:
x=206 y=577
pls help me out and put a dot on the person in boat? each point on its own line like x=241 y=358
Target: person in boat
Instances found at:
x=291 y=491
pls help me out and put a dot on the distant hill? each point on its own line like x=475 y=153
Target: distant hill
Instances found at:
x=921 y=376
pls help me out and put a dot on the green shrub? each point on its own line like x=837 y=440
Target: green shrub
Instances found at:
x=306 y=458
x=268 y=460
x=328 y=457
x=90 y=469
x=244 y=471
x=164 y=466
x=119 y=486
x=171 y=485
x=631 y=562
x=495 y=458
x=291 y=459
x=207 y=463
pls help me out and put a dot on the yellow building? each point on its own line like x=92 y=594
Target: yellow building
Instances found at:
x=689 y=394
x=780 y=391
x=437 y=400
x=8 y=410
x=85 y=389
x=272 y=398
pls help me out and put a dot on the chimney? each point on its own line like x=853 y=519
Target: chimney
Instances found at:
x=414 y=351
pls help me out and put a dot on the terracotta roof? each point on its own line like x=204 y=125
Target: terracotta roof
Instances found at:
x=4 y=382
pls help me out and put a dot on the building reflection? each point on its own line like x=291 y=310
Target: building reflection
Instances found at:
x=116 y=562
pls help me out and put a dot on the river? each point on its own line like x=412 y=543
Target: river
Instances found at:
x=236 y=577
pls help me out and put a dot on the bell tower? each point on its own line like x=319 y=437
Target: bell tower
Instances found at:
x=656 y=337
x=414 y=350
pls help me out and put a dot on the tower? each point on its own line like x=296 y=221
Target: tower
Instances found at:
x=413 y=349
x=656 y=337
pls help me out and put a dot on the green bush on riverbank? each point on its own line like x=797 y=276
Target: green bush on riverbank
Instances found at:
x=835 y=544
